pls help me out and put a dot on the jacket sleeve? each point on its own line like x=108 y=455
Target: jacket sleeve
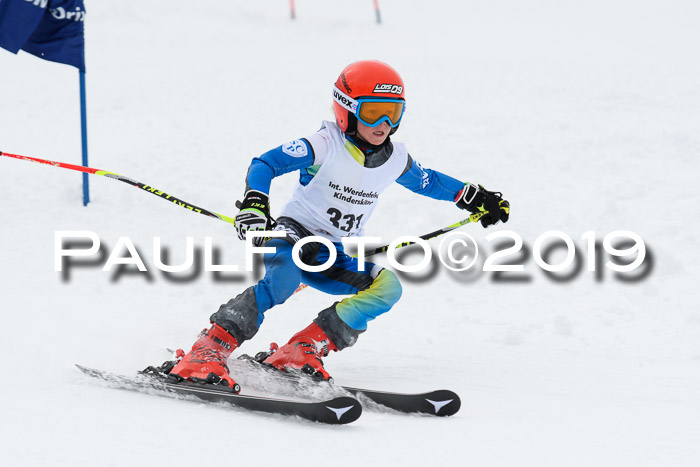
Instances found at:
x=428 y=182
x=295 y=155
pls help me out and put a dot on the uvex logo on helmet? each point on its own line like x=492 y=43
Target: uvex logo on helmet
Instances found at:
x=344 y=100
x=390 y=88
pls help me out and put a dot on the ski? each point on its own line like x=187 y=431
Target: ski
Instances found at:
x=335 y=411
x=439 y=403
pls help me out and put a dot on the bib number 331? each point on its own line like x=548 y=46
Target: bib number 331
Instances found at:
x=344 y=222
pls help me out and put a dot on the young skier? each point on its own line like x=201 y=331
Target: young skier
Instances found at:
x=344 y=167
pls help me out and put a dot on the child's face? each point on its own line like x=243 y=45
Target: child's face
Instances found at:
x=373 y=135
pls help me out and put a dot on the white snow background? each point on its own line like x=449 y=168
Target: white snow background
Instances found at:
x=583 y=113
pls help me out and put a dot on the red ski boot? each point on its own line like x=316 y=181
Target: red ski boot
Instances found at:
x=303 y=352
x=206 y=362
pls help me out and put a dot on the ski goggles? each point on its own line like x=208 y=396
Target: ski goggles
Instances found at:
x=372 y=111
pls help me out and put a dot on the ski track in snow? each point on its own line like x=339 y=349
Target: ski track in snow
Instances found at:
x=584 y=114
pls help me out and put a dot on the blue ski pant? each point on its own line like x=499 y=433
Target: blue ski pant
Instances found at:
x=372 y=292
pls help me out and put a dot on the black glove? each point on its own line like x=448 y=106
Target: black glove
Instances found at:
x=254 y=214
x=478 y=199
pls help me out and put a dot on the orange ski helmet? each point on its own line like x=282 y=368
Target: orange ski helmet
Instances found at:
x=363 y=81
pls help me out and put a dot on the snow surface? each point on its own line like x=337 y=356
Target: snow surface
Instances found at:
x=585 y=115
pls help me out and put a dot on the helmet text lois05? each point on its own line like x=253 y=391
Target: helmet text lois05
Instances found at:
x=371 y=91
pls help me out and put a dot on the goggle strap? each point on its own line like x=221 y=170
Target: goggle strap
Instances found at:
x=344 y=100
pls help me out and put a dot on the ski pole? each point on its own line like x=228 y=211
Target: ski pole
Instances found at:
x=472 y=218
x=143 y=186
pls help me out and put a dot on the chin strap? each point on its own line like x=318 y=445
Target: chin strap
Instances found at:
x=366 y=147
